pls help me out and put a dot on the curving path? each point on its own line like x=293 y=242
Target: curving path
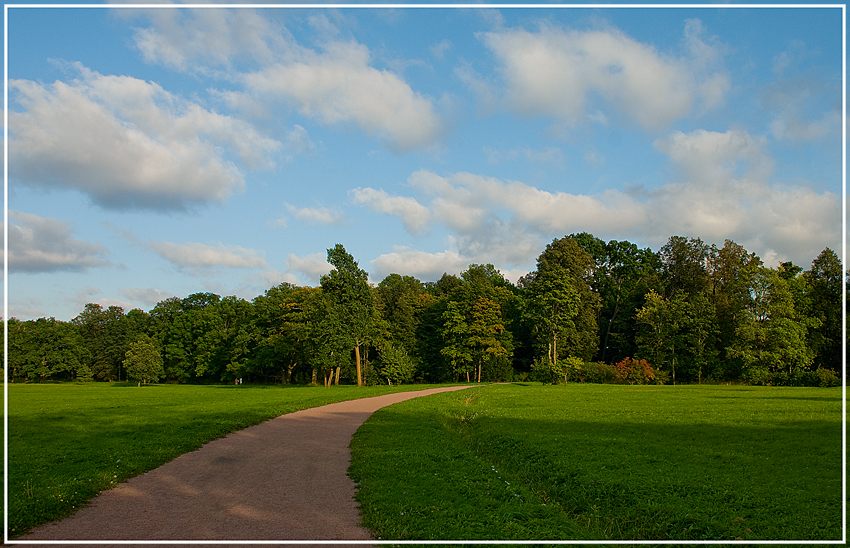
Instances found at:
x=284 y=479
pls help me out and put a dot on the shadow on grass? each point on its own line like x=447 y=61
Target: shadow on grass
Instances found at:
x=612 y=478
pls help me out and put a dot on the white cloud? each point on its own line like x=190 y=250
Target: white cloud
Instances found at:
x=315 y=215
x=555 y=72
x=726 y=192
x=128 y=143
x=339 y=86
x=187 y=39
x=195 y=255
x=146 y=295
x=313 y=266
x=415 y=216
x=805 y=107
x=420 y=264
x=439 y=50
x=41 y=244
x=723 y=190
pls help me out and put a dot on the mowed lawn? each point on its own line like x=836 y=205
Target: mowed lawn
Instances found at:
x=68 y=442
x=605 y=462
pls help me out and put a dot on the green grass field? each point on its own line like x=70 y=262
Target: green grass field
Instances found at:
x=604 y=462
x=68 y=442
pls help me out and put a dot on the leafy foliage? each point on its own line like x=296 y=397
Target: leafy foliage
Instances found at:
x=697 y=312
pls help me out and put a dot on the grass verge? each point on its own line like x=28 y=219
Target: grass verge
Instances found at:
x=604 y=462
x=69 y=442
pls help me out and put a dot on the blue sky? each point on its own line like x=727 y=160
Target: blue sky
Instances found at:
x=162 y=152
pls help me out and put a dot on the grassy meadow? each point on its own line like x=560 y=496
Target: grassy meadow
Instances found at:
x=604 y=462
x=68 y=442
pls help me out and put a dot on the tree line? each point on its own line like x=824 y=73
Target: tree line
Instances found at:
x=591 y=311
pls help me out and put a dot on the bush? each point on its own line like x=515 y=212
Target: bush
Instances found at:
x=827 y=377
x=396 y=366
x=634 y=371
x=497 y=369
x=758 y=376
x=599 y=373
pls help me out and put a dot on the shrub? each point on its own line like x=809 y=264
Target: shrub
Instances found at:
x=599 y=373
x=756 y=375
x=827 y=377
x=497 y=369
x=396 y=366
x=634 y=371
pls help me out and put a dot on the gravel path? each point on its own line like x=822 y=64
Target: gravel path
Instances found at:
x=284 y=479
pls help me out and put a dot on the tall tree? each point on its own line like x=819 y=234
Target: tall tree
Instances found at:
x=347 y=288
x=684 y=265
x=45 y=349
x=553 y=304
x=824 y=281
x=772 y=335
x=108 y=334
x=564 y=257
x=622 y=275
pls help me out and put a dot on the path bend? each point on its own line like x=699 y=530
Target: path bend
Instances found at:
x=284 y=479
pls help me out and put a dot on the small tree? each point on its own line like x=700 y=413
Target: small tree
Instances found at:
x=396 y=365
x=143 y=361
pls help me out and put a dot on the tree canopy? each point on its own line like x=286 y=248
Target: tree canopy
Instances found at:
x=691 y=311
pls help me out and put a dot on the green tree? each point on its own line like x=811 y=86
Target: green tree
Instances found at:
x=487 y=333
x=772 y=335
x=401 y=301
x=684 y=265
x=553 y=304
x=396 y=366
x=224 y=339
x=45 y=349
x=282 y=328
x=564 y=258
x=143 y=361
x=107 y=334
x=824 y=281
x=347 y=288
x=659 y=331
x=456 y=335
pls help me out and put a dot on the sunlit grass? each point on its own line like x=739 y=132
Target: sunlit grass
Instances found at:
x=68 y=442
x=604 y=462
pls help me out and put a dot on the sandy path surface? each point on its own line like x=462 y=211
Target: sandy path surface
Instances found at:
x=284 y=479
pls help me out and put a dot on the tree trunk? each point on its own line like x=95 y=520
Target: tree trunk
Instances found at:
x=336 y=379
x=479 y=370
x=357 y=363
x=467 y=376
x=313 y=381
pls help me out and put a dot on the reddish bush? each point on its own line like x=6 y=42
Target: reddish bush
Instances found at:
x=632 y=371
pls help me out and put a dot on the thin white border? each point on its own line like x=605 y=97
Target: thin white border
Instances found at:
x=5 y=274
x=6 y=7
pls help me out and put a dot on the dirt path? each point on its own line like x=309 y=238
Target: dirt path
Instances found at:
x=284 y=479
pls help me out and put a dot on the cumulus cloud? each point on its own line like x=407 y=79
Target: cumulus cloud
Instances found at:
x=722 y=189
x=196 y=256
x=339 y=85
x=315 y=215
x=414 y=215
x=725 y=192
x=420 y=264
x=555 y=72
x=128 y=143
x=197 y=39
x=313 y=266
x=146 y=295
x=41 y=244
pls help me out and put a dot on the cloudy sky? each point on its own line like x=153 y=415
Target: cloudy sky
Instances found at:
x=162 y=152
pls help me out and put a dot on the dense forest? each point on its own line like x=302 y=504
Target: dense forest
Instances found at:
x=592 y=311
